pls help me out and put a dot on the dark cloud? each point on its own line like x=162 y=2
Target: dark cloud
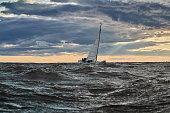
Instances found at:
x=148 y=14
x=14 y=30
x=41 y=27
x=138 y=13
x=60 y=0
x=25 y=33
x=41 y=9
x=92 y=2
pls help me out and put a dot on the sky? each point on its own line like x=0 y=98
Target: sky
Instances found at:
x=43 y=31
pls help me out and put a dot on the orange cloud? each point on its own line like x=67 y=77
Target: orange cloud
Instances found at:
x=75 y=57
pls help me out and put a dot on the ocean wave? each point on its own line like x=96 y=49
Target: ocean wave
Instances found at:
x=110 y=88
x=38 y=74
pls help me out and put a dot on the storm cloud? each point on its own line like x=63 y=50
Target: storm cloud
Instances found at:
x=35 y=28
x=149 y=14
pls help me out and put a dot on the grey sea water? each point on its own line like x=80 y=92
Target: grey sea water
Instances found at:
x=76 y=88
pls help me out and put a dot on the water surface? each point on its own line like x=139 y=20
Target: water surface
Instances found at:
x=110 y=88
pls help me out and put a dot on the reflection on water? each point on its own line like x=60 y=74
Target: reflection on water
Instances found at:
x=114 y=88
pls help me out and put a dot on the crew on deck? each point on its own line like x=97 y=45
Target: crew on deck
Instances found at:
x=84 y=59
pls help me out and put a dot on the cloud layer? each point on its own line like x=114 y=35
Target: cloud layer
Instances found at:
x=29 y=27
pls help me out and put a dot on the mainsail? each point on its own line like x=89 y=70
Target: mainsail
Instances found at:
x=92 y=56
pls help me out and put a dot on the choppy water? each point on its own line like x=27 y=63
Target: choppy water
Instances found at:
x=110 y=88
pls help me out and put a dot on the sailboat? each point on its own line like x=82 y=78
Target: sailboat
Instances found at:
x=92 y=56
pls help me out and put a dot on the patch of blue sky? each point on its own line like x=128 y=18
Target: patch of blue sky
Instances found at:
x=2 y=9
x=5 y=1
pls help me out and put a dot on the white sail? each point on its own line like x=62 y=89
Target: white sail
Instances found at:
x=92 y=56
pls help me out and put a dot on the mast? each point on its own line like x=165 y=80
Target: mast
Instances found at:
x=92 y=56
x=98 y=40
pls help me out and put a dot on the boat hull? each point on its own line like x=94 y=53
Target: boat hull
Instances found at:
x=93 y=62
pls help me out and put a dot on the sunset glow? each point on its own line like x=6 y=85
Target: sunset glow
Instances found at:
x=75 y=58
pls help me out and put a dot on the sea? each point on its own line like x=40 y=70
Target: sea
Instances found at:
x=128 y=87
